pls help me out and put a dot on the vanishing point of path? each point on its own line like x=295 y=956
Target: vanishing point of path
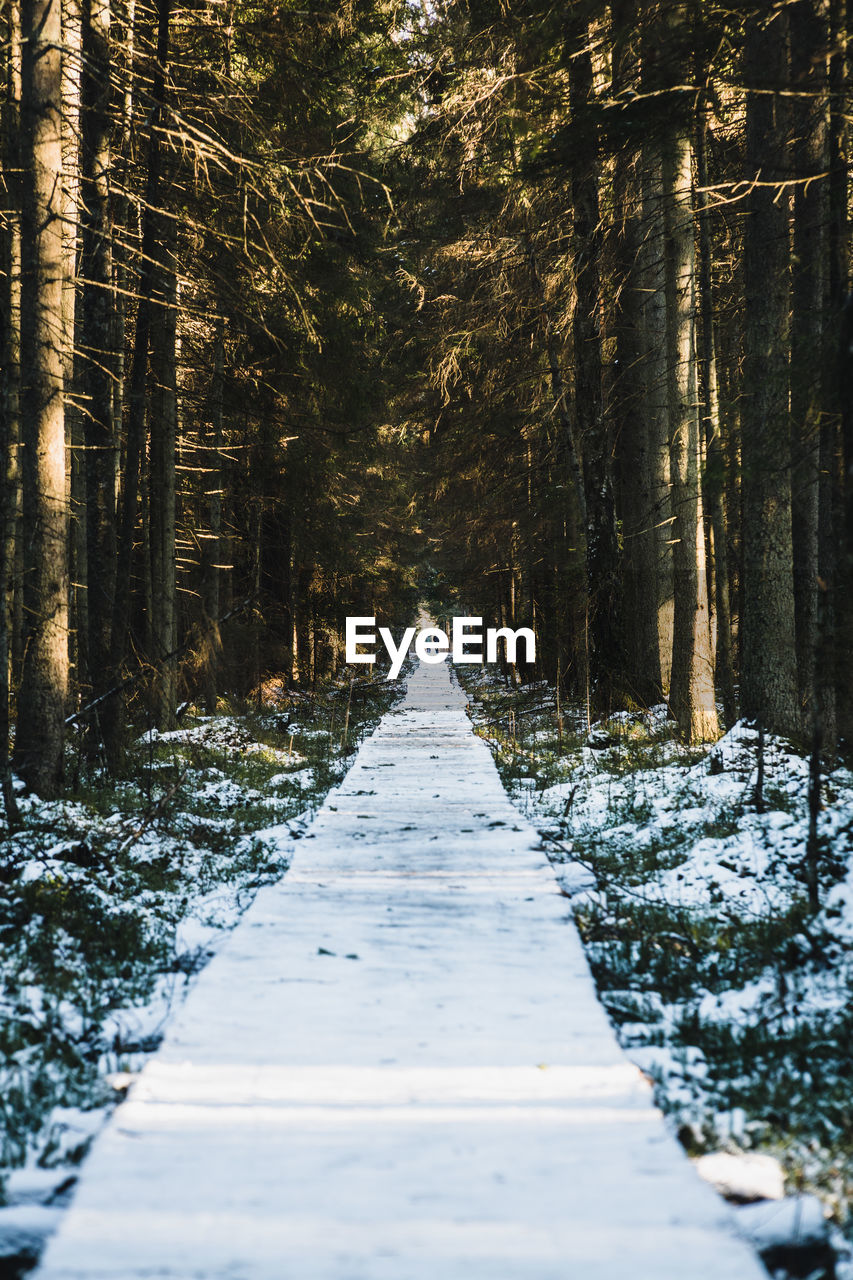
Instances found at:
x=396 y=1068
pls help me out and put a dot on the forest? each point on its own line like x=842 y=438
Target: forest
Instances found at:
x=301 y=307
x=527 y=311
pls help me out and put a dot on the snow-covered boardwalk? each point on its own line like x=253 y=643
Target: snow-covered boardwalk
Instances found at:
x=397 y=1069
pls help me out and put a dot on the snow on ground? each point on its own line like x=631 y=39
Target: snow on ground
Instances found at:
x=398 y=1067
x=111 y=903
x=691 y=894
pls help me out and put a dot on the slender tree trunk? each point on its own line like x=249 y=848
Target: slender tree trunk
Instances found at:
x=600 y=551
x=7 y=444
x=571 y=555
x=212 y=545
x=692 y=689
x=305 y=607
x=124 y=57
x=837 y=559
x=769 y=667
x=295 y=603
x=97 y=331
x=73 y=60
x=662 y=40
x=715 y=467
x=656 y=400
x=809 y=38
x=10 y=417
x=72 y=69
x=163 y=433
x=634 y=468
x=44 y=682
x=257 y=572
x=135 y=433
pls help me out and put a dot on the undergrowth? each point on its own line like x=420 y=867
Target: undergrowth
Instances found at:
x=724 y=986
x=113 y=897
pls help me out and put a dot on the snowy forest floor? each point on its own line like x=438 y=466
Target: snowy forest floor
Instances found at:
x=112 y=899
x=397 y=1068
x=725 y=988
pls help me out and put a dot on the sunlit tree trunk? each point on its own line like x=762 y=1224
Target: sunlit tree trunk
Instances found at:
x=72 y=71
x=692 y=687
x=44 y=682
x=163 y=433
x=212 y=550
x=715 y=466
x=10 y=418
x=11 y=354
x=769 y=666
x=656 y=400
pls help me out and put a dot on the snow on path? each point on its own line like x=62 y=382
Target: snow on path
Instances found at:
x=397 y=1068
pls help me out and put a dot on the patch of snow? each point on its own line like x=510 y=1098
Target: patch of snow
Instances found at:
x=743 y=1176
x=794 y=1220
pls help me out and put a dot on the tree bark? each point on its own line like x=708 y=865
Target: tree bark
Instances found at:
x=10 y=418
x=163 y=433
x=72 y=71
x=715 y=465
x=212 y=552
x=835 y=546
x=641 y=641
x=656 y=396
x=809 y=38
x=692 y=689
x=96 y=335
x=138 y=382
x=44 y=683
x=593 y=439
x=769 y=667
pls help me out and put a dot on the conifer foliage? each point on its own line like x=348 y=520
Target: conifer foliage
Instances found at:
x=626 y=233
x=305 y=312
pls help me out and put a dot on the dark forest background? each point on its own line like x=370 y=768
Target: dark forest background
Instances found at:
x=539 y=311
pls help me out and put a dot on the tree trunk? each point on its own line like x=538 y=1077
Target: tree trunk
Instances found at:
x=163 y=433
x=809 y=37
x=138 y=382
x=656 y=399
x=123 y=46
x=72 y=72
x=715 y=464
x=96 y=334
x=634 y=471
x=600 y=548
x=692 y=688
x=834 y=553
x=10 y=418
x=212 y=553
x=769 y=666
x=9 y=376
x=44 y=682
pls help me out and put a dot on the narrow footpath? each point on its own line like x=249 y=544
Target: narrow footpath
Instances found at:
x=397 y=1069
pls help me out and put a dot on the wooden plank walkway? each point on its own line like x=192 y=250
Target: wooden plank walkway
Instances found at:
x=397 y=1069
